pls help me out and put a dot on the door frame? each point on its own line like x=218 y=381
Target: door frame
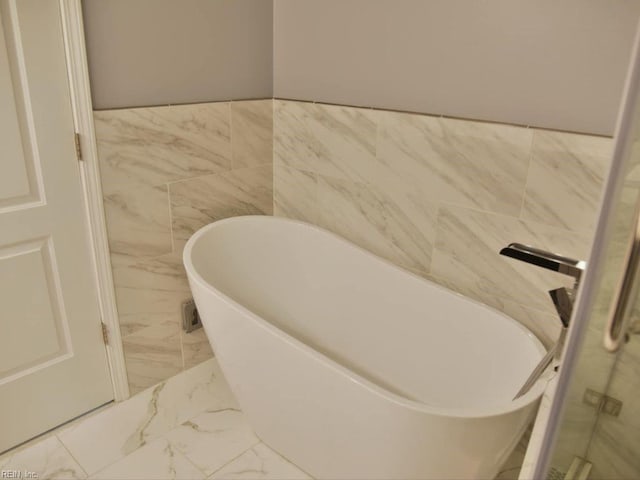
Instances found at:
x=82 y=107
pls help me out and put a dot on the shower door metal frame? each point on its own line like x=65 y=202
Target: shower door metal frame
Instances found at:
x=628 y=118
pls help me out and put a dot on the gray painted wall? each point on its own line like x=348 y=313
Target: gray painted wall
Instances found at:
x=543 y=63
x=158 y=52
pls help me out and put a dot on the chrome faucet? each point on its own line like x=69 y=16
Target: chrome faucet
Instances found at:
x=548 y=260
x=562 y=298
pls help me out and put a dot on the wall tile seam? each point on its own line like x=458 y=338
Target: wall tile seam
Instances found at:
x=428 y=273
x=449 y=117
x=173 y=242
x=231 y=155
x=526 y=178
x=440 y=203
x=526 y=221
x=144 y=258
x=504 y=298
x=217 y=174
x=57 y=436
x=184 y=363
x=443 y=282
x=133 y=188
x=137 y=332
x=281 y=164
x=273 y=157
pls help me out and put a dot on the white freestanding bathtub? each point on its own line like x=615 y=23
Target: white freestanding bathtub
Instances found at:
x=351 y=367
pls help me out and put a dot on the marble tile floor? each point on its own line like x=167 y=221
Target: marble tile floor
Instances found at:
x=188 y=427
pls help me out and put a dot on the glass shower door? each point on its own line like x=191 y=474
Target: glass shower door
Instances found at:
x=595 y=416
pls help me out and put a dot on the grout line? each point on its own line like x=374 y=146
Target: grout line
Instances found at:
x=173 y=252
x=232 y=159
x=436 y=234
x=447 y=203
x=71 y=455
x=185 y=457
x=212 y=174
x=526 y=178
x=235 y=458
x=173 y=243
x=511 y=217
x=184 y=360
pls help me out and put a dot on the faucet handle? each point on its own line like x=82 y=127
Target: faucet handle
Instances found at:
x=563 y=303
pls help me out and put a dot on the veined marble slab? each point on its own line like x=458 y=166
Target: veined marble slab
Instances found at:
x=195 y=347
x=158 y=460
x=149 y=285
x=251 y=133
x=566 y=179
x=200 y=201
x=442 y=196
x=473 y=164
x=138 y=221
x=47 y=458
x=331 y=140
x=467 y=254
x=152 y=355
x=260 y=463
x=111 y=435
x=167 y=171
x=295 y=193
x=392 y=223
x=543 y=324
x=213 y=438
x=157 y=145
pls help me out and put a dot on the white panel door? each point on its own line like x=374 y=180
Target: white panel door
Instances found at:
x=53 y=364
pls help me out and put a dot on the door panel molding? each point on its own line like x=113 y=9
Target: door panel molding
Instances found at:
x=30 y=192
x=78 y=70
x=36 y=257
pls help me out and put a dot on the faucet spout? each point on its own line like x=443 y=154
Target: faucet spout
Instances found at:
x=544 y=259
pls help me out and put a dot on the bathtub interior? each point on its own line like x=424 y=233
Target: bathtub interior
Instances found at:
x=395 y=329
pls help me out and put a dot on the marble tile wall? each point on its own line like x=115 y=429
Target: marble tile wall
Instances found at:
x=167 y=171
x=441 y=196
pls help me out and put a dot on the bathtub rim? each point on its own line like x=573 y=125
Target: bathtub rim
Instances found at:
x=534 y=394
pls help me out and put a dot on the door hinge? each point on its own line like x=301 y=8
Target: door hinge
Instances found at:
x=105 y=333
x=603 y=403
x=579 y=469
x=78 y=147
